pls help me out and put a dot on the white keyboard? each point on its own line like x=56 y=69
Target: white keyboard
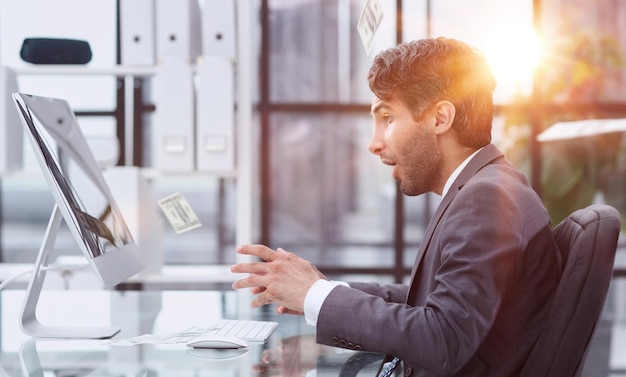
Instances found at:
x=251 y=331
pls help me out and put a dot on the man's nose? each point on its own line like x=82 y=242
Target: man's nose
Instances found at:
x=376 y=144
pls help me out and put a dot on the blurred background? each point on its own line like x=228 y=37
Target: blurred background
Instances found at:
x=316 y=189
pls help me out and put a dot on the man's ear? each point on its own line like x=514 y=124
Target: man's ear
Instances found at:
x=445 y=113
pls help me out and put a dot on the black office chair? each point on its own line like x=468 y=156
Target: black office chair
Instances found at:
x=588 y=241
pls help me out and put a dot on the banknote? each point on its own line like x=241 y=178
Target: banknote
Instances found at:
x=179 y=213
x=369 y=21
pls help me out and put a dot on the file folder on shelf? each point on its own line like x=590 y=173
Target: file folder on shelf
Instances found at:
x=178 y=29
x=137 y=29
x=173 y=120
x=218 y=28
x=215 y=115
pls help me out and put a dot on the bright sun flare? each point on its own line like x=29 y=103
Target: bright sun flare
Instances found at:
x=514 y=56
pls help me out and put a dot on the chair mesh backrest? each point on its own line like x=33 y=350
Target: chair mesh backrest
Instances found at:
x=587 y=240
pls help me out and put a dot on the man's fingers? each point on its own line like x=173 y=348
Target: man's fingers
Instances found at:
x=260 y=251
x=283 y=310
x=257 y=290
x=260 y=300
x=258 y=268
x=252 y=281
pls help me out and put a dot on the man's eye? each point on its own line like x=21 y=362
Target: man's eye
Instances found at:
x=387 y=117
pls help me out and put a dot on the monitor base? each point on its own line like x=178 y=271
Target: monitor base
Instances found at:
x=28 y=320
x=38 y=330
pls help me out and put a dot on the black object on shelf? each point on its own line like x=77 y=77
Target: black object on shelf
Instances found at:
x=55 y=51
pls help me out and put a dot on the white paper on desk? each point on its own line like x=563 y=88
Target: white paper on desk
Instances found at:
x=178 y=337
x=141 y=339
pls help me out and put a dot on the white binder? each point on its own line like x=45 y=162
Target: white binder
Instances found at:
x=218 y=28
x=215 y=115
x=137 y=32
x=11 y=131
x=173 y=126
x=178 y=29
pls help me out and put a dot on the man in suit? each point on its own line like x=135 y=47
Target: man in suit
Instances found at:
x=487 y=267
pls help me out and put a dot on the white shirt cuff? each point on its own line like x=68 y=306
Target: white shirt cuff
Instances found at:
x=315 y=298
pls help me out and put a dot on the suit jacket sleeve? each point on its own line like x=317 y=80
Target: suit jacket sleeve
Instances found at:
x=476 y=254
x=389 y=293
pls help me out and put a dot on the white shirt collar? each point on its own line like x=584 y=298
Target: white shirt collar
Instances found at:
x=456 y=173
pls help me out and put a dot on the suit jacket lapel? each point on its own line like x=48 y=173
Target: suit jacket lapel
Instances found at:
x=482 y=158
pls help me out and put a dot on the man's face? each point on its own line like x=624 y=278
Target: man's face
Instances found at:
x=409 y=145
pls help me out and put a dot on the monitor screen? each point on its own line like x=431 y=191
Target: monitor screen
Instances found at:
x=79 y=188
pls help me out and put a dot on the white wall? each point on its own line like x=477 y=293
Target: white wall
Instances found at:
x=90 y=20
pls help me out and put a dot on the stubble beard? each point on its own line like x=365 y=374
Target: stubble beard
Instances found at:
x=423 y=168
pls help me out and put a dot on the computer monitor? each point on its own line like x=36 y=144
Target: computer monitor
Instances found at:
x=82 y=199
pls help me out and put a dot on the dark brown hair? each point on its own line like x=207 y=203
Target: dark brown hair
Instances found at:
x=426 y=71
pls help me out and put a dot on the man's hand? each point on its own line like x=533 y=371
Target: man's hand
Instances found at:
x=284 y=278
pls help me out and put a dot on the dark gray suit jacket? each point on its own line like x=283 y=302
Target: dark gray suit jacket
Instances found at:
x=481 y=285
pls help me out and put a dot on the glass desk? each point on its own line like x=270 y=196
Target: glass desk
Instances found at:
x=290 y=351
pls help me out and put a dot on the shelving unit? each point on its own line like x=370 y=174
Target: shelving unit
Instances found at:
x=130 y=108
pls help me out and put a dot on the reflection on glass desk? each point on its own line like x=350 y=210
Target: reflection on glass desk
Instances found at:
x=290 y=351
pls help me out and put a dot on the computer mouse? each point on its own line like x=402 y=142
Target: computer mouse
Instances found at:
x=217 y=342
x=220 y=355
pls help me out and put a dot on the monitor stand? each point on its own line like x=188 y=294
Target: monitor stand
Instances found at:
x=28 y=321
x=29 y=359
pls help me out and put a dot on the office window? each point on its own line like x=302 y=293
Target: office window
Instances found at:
x=328 y=192
x=325 y=197
x=316 y=54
